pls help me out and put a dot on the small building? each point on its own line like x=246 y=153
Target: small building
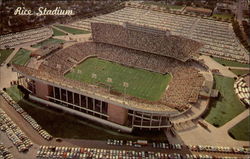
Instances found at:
x=225 y=7
x=199 y=11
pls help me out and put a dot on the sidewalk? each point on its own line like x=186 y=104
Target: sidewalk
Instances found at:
x=30 y=48
x=235 y=121
x=214 y=136
x=61 y=30
x=239 y=68
x=212 y=64
x=12 y=55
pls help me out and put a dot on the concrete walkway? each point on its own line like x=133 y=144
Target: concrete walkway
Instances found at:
x=234 y=121
x=6 y=75
x=30 y=48
x=212 y=64
x=61 y=30
x=11 y=55
x=214 y=136
x=239 y=68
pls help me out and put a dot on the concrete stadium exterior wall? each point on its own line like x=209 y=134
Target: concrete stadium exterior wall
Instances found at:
x=42 y=90
x=94 y=107
x=90 y=117
x=117 y=114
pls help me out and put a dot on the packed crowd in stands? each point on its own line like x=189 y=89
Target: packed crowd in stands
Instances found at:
x=14 y=133
x=183 y=89
x=31 y=36
x=218 y=37
x=146 y=39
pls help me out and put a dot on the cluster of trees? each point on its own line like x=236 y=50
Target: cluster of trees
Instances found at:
x=246 y=27
x=240 y=35
x=209 y=4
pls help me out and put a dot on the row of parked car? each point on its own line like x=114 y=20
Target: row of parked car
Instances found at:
x=236 y=150
x=167 y=145
x=26 y=116
x=140 y=143
x=204 y=148
x=53 y=152
x=4 y=152
x=14 y=133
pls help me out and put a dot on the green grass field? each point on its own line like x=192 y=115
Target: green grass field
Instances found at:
x=48 y=41
x=240 y=72
x=174 y=7
x=241 y=131
x=230 y=63
x=227 y=106
x=4 y=54
x=74 y=127
x=72 y=30
x=149 y=3
x=21 y=57
x=223 y=16
x=142 y=84
x=57 y=32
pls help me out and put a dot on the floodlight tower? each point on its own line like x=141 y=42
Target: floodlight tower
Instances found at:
x=109 y=80
x=125 y=85
x=94 y=76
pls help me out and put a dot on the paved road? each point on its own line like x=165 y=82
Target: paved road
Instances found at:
x=234 y=121
x=31 y=154
x=61 y=30
x=30 y=48
x=11 y=55
x=212 y=64
x=239 y=68
x=6 y=75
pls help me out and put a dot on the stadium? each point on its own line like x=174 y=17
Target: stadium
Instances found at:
x=125 y=76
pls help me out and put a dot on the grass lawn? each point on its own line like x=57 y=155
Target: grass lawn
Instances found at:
x=61 y=124
x=162 y=5
x=21 y=57
x=240 y=72
x=223 y=16
x=57 y=32
x=230 y=63
x=48 y=41
x=4 y=54
x=72 y=30
x=227 y=106
x=174 y=7
x=142 y=84
x=241 y=131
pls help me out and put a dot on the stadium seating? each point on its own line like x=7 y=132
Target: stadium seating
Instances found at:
x=183 y=89
x=218 y=37
x=144 y=38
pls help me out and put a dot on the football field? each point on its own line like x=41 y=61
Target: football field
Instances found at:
x=140 y=83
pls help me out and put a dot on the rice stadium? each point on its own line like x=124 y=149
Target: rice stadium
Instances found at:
x=133 y=72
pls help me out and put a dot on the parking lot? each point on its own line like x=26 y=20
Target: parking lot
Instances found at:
x=109 y=148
